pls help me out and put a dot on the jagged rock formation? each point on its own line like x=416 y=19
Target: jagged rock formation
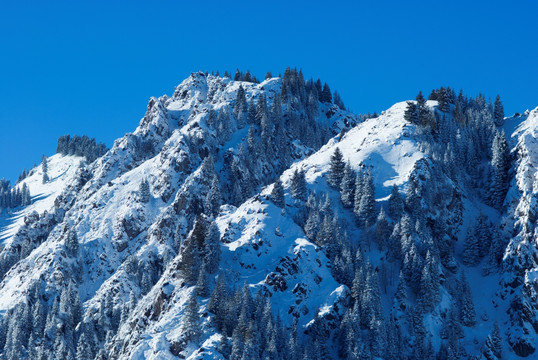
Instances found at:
x=173 y=243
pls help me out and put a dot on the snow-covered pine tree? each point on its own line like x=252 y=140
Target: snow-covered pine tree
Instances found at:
x=493 y=345
x=411 y=112
x=326 y=95
x=498 y=112
x=298 y=185
x=443 y=100
x=144 y=192
x=277 y=194
x=72 y=244
x=45 y=169
x=191 y=328
x=365 y=209
x=466 y=304
x=471 y=248
x=241 y=107
x=395 y=204
x=212 y=250
x=347 y=187
x=213 y=198
x=382 y=229
x=500 y=163
x=336 y=170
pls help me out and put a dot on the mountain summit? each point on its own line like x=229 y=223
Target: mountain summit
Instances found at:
x=262 y=220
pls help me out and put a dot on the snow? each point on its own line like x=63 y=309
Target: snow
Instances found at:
x=261 y=244
x=385 y=144
x=62 y=170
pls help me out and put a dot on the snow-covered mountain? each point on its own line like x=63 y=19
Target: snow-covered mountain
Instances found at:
x=246 y=220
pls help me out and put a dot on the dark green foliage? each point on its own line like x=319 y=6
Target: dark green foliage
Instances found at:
x=72 y=244
x=347 y=187
x=498 y=112
x=500 y=163
x=365 y=206
x=144 y=192
x=45 y=169
x=191 y=329
x=493 y=345
x=277 y=194
x=80 y=146
x=298 y=185
x=336 y=170
x=411 y=113
x=326 y=95
x=395 y=204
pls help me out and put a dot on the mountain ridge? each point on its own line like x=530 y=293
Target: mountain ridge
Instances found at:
x=127 y=249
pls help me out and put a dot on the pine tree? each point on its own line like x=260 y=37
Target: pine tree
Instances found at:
x=500 y=163
x=382 y=229
x=493 y=345
x=84 y=351
x=190 y=253
x=45 y=169
x=212 y=249
x=411 y=113
x=277 y=194
x=214 y=198
x=395 y=204
x=467 y=312
x=336 y=170
x=471 y=248
x=443 y=100
x=72 y=244
x=498 y=112
x=347 y=187
x=400 y=296
x=365 y=209
x=191 y=329
x=298 y=185
x=495 y=253
x=143 y=191
x=326 y=95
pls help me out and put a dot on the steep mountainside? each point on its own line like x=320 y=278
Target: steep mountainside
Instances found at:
x=246 y=220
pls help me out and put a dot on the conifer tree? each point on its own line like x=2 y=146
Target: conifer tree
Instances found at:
x=500 y=163
x=493 y=345
x=365 y=208
x=277 y=194
x=143 y=191
x=336 y=170
x=471 y=248
x=72 y=244
x=213 y=199
x=45 y=169
x=298 y=185
x=191 y=328
x=382 y=229
x=326 y=95
x=498 y=112
x=395 y=204
x=347 y=187
x=467 y=312
x=411 y=113
x=212 y=249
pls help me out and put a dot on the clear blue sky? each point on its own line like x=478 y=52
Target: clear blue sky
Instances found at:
x=89 y=67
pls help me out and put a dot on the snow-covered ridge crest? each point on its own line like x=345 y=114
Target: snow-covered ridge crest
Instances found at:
x=386 y=144
x=62 y=170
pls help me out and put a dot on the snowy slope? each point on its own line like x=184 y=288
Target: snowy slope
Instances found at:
x=127 y=266
x=386 y=144
x=520 y=265
x=62 y=171
x=113 y=227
